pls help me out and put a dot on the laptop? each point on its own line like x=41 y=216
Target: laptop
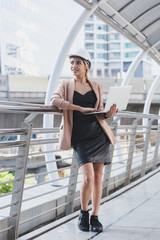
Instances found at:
x=117 y=95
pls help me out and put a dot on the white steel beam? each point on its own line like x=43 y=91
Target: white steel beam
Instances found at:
x=149 y=97
x=151 y=91
x=132 y=68
x=124 y=20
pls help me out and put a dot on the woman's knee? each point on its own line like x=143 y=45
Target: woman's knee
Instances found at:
x=98 y=178
x=98 y=172
x=88 y=174
x=88 y=180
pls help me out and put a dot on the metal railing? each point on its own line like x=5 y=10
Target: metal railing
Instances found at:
x=36 y=199
x=4 y=87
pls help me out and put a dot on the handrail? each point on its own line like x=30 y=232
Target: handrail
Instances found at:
x=27 y=108
x=41 y=109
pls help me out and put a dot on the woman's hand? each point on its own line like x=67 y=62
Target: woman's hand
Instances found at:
x=87 y=110
x=113 y=110
x=81 y=109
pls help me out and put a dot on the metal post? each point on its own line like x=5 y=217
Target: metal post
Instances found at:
x=7 y=87
x=130 y=152
x=72 y=185
x=156 y=150
x=146 y=145
x=40 y=178
x=16 y=201
x=107 y=169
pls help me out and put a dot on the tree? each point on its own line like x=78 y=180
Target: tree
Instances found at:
x=7 y=187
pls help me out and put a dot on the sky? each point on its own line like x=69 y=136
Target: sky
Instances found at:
x=66 y=13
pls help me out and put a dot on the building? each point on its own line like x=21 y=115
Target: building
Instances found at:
x=112 y=53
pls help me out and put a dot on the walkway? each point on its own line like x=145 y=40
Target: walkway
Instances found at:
x=132 y=215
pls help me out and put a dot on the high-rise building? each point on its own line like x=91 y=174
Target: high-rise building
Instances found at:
x=112 y=53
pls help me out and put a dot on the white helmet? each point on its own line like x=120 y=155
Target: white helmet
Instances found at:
x=83 y=54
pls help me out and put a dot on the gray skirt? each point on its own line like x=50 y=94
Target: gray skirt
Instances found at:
x=93 y=150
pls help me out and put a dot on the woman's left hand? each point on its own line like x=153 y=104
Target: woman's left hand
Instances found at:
x=113 y=110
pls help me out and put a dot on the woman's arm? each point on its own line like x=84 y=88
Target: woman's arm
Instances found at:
x=101 y=115
x=80 y=109
x=58 y=101
x=57 y=98
x=113 y=110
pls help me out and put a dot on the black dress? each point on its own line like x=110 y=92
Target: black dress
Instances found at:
x=88 y=138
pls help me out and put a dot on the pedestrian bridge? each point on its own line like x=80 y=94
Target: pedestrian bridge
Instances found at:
x=44 y=201
x=45 y=196
x=130 y=213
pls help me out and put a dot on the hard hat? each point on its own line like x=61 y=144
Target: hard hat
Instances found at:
x=83 y=54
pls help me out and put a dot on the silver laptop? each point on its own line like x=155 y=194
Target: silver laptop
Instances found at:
x=117 y=95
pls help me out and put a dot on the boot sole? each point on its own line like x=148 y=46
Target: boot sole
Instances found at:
x=96 y=230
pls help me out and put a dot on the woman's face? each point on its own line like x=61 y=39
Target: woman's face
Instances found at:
x=78 y=67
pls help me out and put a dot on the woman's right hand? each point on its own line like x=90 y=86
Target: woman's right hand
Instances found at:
x=81 y=109
x=87 y=110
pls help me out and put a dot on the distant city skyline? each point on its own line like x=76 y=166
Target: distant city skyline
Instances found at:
x=50 y=33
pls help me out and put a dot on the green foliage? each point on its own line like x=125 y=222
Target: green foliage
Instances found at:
x=5 y=188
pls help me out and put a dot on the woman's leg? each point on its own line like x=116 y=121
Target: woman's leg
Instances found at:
x=96 y=226
x=91 y=183
x=87 y=171
x=97 y=187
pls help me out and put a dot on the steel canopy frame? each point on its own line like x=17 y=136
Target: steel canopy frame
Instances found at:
x=128 y=29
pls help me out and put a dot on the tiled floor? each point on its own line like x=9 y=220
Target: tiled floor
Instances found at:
x=134 y=215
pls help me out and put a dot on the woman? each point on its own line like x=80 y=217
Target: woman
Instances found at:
x=89 y=135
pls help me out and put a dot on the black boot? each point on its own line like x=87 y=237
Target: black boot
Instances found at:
x=83 y=220
x=96 y=226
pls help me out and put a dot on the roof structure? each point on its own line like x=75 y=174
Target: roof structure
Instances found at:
x=138 y=20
